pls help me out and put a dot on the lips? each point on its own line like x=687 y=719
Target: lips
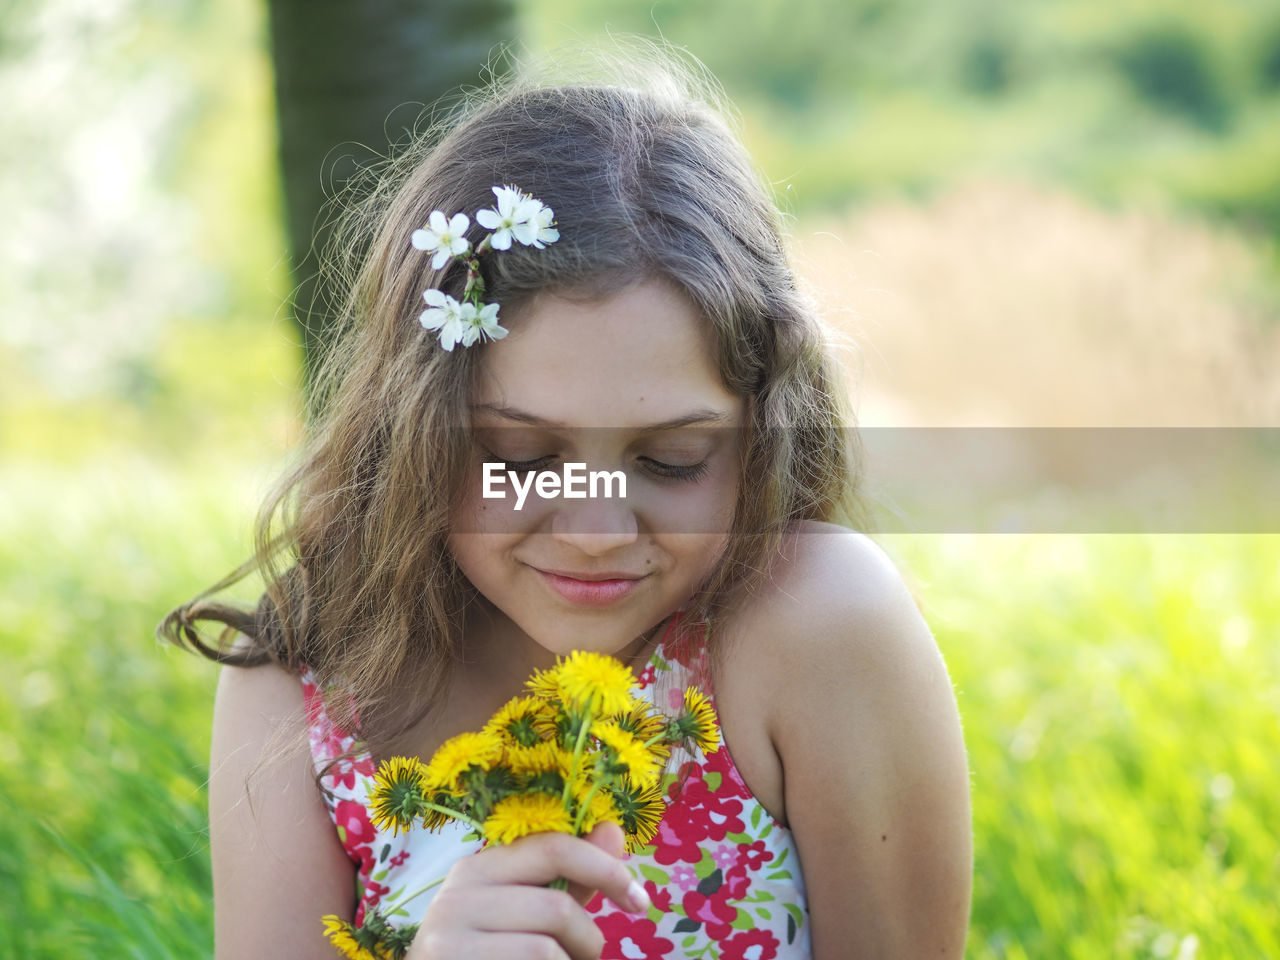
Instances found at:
x=597 y=589
x=592 y=577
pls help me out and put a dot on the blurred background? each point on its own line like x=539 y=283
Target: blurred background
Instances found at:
x=1056 y=214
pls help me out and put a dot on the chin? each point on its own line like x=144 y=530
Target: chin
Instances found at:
x=608 y=634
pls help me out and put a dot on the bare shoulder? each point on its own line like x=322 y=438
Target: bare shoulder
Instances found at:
x=830 y=586
x=277 y=863
x=864 y=721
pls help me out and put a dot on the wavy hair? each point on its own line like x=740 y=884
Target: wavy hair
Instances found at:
x=647 y=180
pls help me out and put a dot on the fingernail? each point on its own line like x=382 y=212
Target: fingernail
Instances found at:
x=637 y=897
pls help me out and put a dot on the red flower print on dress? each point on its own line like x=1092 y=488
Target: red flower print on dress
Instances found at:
x=754 y=856
x=659 y=898
x=736 y=883
x=680 y=832
x=632 y=938
x=750 y=945
x=353 y=819
x=712 y=817
x=714 y=911
x=647 y=676
x=399 y=858
x=374 y=892
x=731 y=783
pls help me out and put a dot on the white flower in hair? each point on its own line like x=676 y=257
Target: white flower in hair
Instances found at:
x=546 y=233
x=445 y=237
x=446 y=315
x=516 y=215
x=481 y=324
x=463 y=323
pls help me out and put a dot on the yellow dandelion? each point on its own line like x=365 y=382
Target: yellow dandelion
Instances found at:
x=641 y=763
x=599 y=806
x=545 y=684
x=596 y=683
x=351 y=941
x=552 y=723
x=641 y=810
x=397 y=795
x=517 y=720
x=434 y=819
x=639 y=721
x=456 y=754
x=698 y=721
x=540 y=758
x=521 y=814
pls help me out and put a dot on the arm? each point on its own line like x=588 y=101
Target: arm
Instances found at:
x=278 y=867
x=876 y=780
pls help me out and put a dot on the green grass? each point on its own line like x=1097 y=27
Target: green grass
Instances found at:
x=1120 y=694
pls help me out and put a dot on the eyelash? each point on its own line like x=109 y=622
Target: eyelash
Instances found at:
x=663 y=471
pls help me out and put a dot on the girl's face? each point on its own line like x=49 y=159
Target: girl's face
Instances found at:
x=625 y=383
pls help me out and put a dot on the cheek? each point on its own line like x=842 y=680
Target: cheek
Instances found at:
x=703 y=509
x=698 y=552
x=496 y=516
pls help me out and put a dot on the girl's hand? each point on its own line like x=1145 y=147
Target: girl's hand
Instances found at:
x=495 y=905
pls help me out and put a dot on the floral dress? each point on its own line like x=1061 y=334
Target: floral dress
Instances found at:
x=723 y=876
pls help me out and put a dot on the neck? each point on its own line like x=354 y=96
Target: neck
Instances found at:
x=498 y=649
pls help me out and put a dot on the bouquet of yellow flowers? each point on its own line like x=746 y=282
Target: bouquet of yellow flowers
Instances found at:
x=576 y=750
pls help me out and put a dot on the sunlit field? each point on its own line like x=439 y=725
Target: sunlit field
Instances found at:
x=1120 y=697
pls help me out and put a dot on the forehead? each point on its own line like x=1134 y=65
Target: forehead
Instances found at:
x=632 y=358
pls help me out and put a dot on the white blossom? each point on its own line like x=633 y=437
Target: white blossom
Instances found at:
x=517 y=216
x=446 y=315
x=544 y=232
x=445 y=237
x=481 y=324
x=460 y=322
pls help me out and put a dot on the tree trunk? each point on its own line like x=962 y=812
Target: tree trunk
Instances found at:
x=341 y=68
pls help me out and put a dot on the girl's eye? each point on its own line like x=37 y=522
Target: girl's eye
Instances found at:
x=663 y=471
x=671 y=471
x=522 y=466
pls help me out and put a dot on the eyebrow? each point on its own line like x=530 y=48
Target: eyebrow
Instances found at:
x=700 y=416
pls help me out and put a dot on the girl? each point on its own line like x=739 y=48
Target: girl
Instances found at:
x=638 y=316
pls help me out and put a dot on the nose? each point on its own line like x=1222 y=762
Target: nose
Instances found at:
x=595 y=526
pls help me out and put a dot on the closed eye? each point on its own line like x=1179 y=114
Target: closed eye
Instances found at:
x=663 y=471
x=671 y=471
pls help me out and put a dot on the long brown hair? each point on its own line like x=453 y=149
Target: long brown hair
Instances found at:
x=647 y=179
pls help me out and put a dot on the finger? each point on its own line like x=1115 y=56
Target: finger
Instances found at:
x=487 y=946
x=536 y=910
x=539 y=859
x=609 y=838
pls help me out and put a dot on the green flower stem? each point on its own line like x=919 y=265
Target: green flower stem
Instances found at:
x=417 y=893
x=582 y=809
x=454 y=814
x=663 y=737
x=577 y=759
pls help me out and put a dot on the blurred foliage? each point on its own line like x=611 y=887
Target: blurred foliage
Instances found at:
x=144 y=207
x=1162 y=102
